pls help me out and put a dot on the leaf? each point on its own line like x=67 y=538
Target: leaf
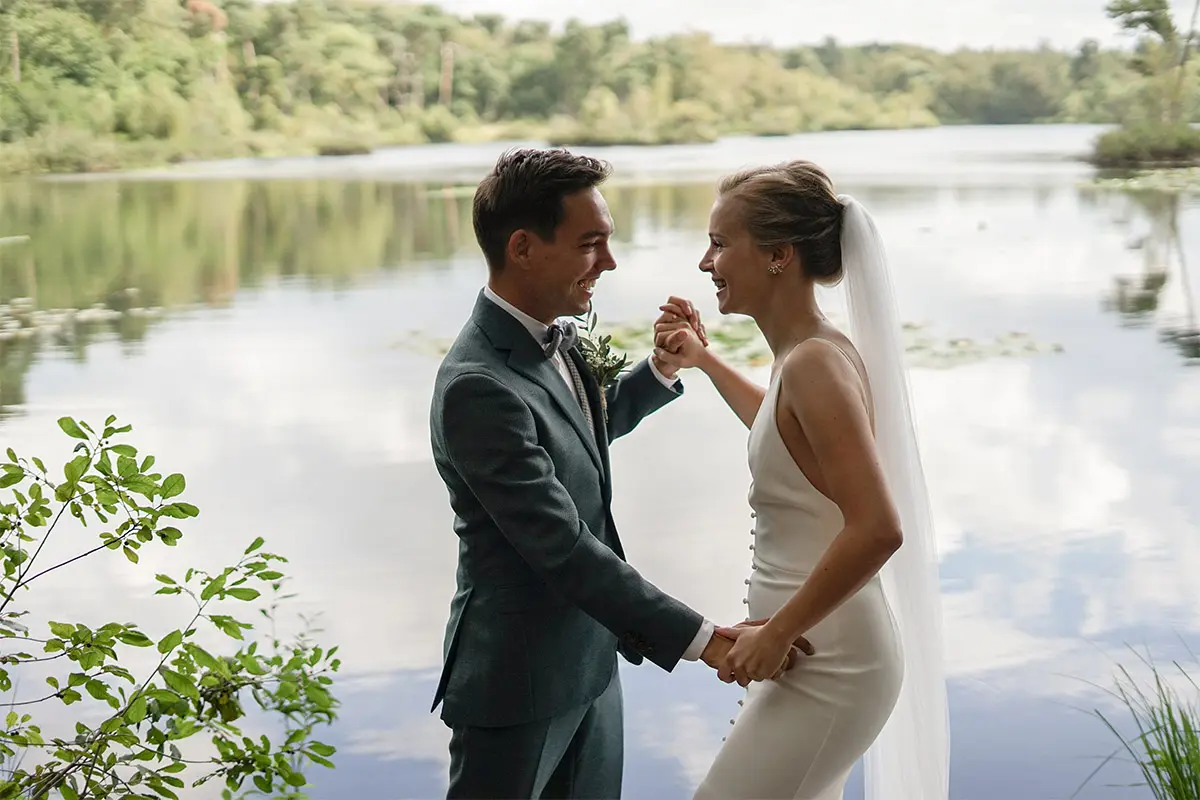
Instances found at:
x=227 y=625
x=12 y=455
x=205 y=659
x=167 y=579
x=76 y=467
x=137 y=710
x=214 y=586
x=10 y=479
x=180 y=510
x=173 y=486
x=180 y=683
x=142 y=485
x=124 y=450
x=243 y=593
x=126 y=467
x=322 y=749
x=71 y=428
x=97 y=689
x=62 y=629
x=135 y=639
x=257 y=543
x=131 y=554
x=170 y=642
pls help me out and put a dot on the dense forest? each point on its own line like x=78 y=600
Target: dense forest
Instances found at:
x=92 y=84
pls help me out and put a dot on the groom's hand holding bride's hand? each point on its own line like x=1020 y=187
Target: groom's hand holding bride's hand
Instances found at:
x=758 y=653
x=680 y=339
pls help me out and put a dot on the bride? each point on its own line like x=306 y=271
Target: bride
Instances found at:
x=843 y=546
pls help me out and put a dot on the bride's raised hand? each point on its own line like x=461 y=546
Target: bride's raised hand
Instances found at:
x=677 y=309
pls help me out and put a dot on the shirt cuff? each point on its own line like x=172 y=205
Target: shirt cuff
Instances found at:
x=664 y=380
x=696 y=648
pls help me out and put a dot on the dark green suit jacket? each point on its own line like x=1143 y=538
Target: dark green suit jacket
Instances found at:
x=544 y=596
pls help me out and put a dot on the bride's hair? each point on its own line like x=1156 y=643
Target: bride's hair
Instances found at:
x=792 y=203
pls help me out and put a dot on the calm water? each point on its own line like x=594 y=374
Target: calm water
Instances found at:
x=283 y=377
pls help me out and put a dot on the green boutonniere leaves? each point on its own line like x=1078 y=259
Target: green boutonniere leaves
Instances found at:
x=605 y=363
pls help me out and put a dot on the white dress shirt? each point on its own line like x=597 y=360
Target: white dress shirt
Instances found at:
x=537 y=330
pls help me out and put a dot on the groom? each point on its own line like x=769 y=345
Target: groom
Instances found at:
x=520 y=434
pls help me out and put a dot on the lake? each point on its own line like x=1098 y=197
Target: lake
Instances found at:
x=286 y=324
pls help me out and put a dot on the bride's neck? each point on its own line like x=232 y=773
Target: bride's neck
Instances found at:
x=791 y=316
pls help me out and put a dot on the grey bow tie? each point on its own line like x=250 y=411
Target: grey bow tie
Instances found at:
x=560 y=336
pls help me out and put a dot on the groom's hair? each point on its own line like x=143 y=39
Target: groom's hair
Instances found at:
x=525 y=190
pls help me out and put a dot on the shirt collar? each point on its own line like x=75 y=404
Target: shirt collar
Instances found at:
x=536 y=328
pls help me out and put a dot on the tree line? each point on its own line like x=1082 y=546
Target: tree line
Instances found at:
x=88 y=82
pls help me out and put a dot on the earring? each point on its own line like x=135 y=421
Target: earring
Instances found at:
x=775 y=268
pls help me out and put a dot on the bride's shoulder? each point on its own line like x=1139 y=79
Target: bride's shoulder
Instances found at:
x=820 y=369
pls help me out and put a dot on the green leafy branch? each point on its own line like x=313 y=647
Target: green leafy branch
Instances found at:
x=135 y=750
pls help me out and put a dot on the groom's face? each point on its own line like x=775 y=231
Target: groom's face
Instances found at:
x=563 y=271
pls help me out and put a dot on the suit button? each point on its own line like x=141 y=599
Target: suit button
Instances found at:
x=753 y=515
x=741 y=702
x=731 y=722
x=751 y=547
x=745 y=601
x=747 y=581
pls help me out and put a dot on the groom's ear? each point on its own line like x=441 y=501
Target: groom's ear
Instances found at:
x=518 y=248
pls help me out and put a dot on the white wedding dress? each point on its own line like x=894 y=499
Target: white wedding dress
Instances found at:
x=799 y=736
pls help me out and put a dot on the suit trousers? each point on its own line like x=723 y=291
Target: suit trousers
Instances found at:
x=578 y=754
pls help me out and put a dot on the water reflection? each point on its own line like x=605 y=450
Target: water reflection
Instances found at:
x=1162 y=294
x=1061 y=485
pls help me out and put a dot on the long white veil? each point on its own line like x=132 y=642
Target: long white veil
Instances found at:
x=911 y=758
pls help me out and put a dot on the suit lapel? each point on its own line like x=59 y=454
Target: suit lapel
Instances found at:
x=592 y=392
x=527 y=359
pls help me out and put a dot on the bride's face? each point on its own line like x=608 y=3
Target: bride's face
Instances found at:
x=737 y=265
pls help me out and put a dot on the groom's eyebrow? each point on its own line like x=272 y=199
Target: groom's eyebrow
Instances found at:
x=597 y=233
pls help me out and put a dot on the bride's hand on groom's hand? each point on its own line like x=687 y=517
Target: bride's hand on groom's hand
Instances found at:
x=758 y=653
x=677 y=342
x=678 y=310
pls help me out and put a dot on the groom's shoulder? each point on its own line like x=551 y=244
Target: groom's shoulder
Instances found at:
x=470 y=353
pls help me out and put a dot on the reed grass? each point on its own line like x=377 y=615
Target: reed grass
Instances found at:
x=1166 y=746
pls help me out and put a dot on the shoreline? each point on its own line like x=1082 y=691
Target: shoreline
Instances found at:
x=411 y=160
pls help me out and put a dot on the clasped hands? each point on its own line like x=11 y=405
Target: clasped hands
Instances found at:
x=753 y=651
x=679 y=337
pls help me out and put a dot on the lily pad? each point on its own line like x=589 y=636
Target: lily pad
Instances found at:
x=1171 y=181
x=739 y=342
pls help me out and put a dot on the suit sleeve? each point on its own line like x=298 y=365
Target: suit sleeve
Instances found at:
x=635 y=396
x=491 y=440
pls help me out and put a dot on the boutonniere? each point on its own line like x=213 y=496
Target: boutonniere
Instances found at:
x=605 y=363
